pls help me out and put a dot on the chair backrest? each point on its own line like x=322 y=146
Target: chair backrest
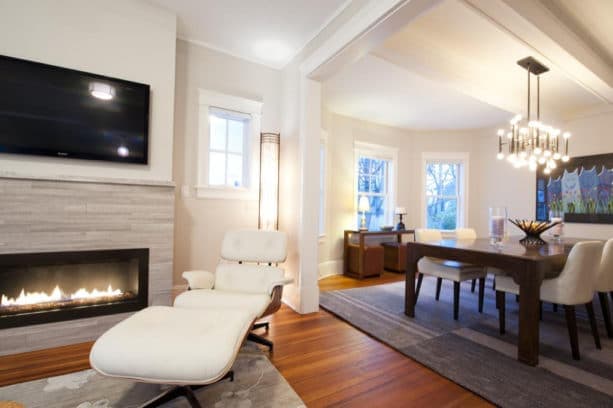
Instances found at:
x=424 y=234
x=465 y=233
x=254 y=246
x=577 y=280
x=604 y=280
x=247 y=248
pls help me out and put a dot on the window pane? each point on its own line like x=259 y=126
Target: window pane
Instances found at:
x=441 y=213
x=217 y=169
x=378 y=172
x=235 y=170
x=442 y=179
x=236 y=133
x=218 y=133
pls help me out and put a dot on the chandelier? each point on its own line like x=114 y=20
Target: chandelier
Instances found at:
x=531 y=142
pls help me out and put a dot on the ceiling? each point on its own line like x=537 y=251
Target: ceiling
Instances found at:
x=455 y=67
x=269 y=32
x=378 y=91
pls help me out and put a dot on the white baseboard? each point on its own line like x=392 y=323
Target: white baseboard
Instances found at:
x=330 y=268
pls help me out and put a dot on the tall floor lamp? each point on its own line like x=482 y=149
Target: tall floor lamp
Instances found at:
x=268 y=218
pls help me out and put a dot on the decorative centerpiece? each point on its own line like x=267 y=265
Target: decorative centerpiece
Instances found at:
x=533 y=230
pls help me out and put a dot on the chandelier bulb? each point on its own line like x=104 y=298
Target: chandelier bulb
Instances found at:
x=500 y=156
x=565 y=158
x=538 y=151
x=547 y=170
x=566 y=135
x=556 y=156
x=547 y=153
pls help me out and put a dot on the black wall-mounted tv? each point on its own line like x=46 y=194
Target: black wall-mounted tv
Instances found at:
x=53 y=111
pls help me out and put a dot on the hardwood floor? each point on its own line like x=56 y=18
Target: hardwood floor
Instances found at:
x=327 y=362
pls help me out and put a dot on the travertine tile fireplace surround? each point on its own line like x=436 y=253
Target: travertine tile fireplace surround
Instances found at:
x=76 y=214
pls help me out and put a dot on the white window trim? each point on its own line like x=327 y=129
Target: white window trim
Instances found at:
x=206 y=100
x=380 y=152
x=323 y=141
x=458 y=157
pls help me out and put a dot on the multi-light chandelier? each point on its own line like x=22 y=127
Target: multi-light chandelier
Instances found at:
x=531 y=142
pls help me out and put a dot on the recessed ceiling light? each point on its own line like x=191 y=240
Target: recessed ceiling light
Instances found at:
x=271 y=50
x=102 y=91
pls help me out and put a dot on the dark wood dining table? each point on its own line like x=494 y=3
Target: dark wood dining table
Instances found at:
x=528 y=265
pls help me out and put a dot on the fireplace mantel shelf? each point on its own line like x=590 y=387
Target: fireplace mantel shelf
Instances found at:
x=94 y=180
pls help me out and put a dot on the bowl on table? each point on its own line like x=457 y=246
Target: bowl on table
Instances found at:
x=387 y=228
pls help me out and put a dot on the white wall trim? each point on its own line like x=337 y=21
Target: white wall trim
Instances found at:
x=462 y=157
x=206 y=100
x=330 y=268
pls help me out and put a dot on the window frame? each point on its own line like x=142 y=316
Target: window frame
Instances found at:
x=211 y=100
x=461 y=158
x=380 y=152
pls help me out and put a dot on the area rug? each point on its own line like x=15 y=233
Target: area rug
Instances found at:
x=257 y=383
x=472 y=353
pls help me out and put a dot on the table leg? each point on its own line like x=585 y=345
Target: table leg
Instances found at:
x=411 y=271
x=529 y=280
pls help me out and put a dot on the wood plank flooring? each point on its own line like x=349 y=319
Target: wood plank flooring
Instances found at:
x=327 y=362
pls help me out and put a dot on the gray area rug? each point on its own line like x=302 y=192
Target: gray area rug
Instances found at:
x=257 y=383
x=472 y=353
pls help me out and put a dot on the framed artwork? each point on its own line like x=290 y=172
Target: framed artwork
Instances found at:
x=580 y=189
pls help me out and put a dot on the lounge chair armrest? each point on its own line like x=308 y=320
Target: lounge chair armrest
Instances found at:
x=199 y=279
x=282 y=282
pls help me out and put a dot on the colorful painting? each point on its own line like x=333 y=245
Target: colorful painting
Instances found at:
x=581 y=189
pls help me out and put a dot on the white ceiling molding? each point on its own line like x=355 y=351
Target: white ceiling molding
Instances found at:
x=363 y=32
x=556 y=44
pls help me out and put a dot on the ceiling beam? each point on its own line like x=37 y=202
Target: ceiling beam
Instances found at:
x=366 y=30
x=553 y=42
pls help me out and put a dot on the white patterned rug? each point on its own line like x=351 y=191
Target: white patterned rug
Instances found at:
x=257 y=383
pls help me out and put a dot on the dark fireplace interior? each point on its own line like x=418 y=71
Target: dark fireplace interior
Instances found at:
x=53 y=286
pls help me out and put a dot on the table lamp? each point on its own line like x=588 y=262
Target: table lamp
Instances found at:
x=400 y=211
x=363 y=206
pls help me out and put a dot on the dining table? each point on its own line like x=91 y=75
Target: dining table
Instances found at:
x=529 y=265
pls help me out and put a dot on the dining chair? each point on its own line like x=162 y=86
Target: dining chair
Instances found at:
x=574 y=286
x=604 y=284
x=454 y=271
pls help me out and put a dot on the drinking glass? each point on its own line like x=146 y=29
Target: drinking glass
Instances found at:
x=557 y=232
x=498 y=222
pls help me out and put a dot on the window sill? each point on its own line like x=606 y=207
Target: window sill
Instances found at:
x=226 y=193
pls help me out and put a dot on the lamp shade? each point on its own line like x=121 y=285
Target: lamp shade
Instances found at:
x=363 y=204
x=269 y=181
x=400 y=211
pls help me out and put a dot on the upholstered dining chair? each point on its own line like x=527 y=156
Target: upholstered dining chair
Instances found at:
x=246 y=278
x=604 y=284
x=456 y=272
x=574 y=286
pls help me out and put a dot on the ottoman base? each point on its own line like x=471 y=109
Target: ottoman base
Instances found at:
x=186 y=391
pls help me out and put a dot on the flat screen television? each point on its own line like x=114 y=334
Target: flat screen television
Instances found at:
x=53 y=111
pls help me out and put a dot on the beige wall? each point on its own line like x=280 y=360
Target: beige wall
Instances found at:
x=343 y=132
x=124 y=39
x=501 y=184
x=201 y=223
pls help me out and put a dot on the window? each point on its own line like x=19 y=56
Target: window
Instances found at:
x=228 y=146
x=375 y=179
x=444 y=192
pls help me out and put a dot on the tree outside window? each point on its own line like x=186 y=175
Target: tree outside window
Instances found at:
x=442 y=195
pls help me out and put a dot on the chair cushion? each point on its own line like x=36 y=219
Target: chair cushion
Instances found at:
x=451 y=270
x=506 y=284
x=247 y=278
x=255 y=303
x=254 y=246
x=170 y=345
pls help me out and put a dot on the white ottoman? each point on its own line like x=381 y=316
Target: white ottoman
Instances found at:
x=168 y=345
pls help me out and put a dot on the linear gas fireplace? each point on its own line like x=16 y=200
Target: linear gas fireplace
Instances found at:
x=49 y=287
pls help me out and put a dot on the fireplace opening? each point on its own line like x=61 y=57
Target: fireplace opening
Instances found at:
x=53 y=286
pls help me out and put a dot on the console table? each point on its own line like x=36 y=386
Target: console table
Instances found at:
x=361 y=260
